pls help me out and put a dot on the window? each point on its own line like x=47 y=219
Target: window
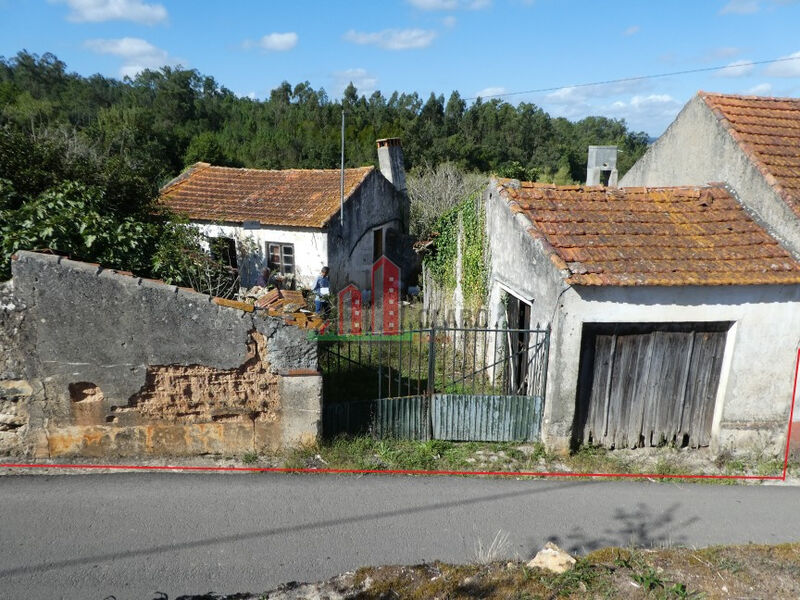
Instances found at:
x=281 y=257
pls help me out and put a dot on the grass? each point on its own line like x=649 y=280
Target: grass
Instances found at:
x=365 y=452
x=368 y=453
x=748 y=571
x=667 y=574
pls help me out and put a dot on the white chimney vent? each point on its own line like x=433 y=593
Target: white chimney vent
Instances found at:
x=602 y=161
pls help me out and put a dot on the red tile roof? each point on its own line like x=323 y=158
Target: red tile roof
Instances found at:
x=650 y=236
x=768 y=130
x=291 y=197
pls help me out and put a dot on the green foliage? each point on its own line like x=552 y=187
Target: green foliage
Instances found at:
x=204 y=147
x=68 y=218
x=462 y=226
x=173 y=117
x=249 y=458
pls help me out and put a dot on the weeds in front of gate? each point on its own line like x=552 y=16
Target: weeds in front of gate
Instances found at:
x=364 y=452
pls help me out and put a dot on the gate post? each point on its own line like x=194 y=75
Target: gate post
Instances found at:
x=431 y=380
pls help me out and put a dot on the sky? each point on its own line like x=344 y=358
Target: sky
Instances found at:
x=477 y=47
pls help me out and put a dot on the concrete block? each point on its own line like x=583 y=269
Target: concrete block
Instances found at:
x=301 y=415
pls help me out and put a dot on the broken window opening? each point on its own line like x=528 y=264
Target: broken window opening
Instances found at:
x=377 y=243
x=223 y=249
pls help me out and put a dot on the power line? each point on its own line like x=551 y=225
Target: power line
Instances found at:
x=640 y=77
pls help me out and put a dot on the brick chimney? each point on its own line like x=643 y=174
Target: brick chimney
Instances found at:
x=390 y=158
x=602 y=160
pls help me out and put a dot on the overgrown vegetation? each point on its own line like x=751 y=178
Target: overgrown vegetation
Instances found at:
x=462 y=229
x=434 y=190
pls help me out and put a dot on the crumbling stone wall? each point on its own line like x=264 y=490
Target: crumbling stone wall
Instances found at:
x=15 y=390
x=100 y=363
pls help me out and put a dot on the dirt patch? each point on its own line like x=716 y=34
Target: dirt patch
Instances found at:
x=712 y=573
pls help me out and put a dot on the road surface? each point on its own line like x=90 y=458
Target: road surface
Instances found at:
x=131 y=535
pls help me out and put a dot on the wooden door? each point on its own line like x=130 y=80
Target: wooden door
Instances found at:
x=649 y=385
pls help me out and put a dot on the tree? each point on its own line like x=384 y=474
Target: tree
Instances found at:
x=435 y=190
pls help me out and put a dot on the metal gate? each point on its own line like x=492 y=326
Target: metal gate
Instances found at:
x=445 y=383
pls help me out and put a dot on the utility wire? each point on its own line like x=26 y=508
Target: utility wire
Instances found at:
x=640 y=77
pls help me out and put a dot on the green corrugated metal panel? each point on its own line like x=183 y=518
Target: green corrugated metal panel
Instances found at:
x=452 y=417
x=401 y=418
x=486 y=418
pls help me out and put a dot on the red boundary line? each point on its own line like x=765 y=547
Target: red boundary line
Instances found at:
x=781 y=477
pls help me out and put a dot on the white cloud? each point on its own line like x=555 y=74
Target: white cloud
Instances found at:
x=651 y=113
x=632 y=30
x=789 y=67
x=275 y=42
x=488 y=92
x=723 y=52
x=96 y=11
x=450 y=4
x=449 y=21
x=578 y=95
x=365 y=82
x=762 y=89
x=748 y=7
x=740 y=7
x=393 y=39
x=629 y=100
x=137 y=54
x=738 y=68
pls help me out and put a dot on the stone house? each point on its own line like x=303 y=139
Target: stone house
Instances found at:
x=298 y=220
x=674 y=315
x=751 y=143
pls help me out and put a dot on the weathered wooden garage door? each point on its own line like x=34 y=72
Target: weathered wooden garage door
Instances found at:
x=649 y=385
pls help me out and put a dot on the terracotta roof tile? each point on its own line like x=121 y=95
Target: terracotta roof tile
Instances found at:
x=651 y=236
x=292 y=197
x=768 y=130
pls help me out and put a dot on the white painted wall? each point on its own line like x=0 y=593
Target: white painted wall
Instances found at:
x=310 y=249
x=755 y=391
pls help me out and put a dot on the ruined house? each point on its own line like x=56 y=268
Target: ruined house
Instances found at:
x=297 y=220
x=752 y=143
x=675 y=315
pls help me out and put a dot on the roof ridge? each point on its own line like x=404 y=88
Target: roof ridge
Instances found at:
x=704 y=94
x=183 y=176
x=750 y=152
x=293 y=169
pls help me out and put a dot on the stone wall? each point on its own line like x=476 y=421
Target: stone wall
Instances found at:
x=99 y=363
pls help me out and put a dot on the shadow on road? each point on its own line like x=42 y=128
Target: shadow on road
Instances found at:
x=637 y=527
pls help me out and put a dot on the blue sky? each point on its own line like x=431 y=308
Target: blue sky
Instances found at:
x=478 y=47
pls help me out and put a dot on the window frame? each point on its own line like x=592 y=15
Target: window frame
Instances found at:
x=286 y=263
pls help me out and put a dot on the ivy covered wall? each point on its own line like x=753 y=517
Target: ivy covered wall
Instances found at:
x=459 y=265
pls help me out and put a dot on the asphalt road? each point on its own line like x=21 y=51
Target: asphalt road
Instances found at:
x=132 y=535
